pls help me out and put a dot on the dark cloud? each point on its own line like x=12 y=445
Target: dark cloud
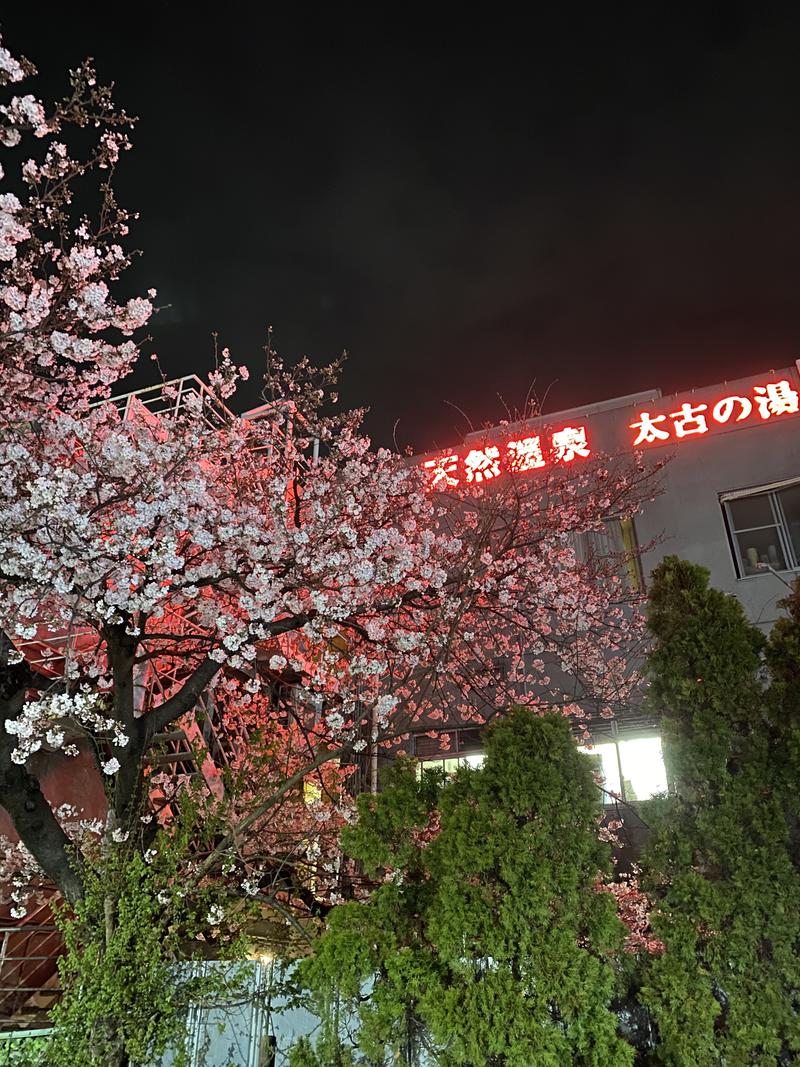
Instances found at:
x=596 y=203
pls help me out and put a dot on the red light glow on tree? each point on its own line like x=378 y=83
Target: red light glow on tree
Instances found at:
x=172 y=564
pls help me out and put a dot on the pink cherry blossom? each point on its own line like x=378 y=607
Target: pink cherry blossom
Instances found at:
x=276 y=577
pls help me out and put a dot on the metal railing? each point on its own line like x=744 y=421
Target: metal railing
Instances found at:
x=24 y=1048
x=169 y=399
x=29 y=982
x=271 y=425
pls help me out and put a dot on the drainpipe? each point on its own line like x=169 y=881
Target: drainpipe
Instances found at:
x=373 y=755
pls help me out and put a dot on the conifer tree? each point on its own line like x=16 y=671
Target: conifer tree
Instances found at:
x=487 y=941
x=722 y=866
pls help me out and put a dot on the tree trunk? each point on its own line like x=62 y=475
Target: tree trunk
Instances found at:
x=33 y=818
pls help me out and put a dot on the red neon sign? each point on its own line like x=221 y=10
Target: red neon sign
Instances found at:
x=768 y=401
x=518 y=455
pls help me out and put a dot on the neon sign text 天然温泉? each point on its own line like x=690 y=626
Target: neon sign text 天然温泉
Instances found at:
x=693 y=420
x=517 y=455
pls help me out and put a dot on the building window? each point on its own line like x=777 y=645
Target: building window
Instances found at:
x=631 y=768
x=464 y=750
x=613 y=550
x=450 y=764
x=764 y=529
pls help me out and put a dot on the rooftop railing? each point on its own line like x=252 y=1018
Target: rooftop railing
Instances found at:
x=169 y=399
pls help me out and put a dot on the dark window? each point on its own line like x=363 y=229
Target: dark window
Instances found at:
x=764 y=530
x=613 y=550
x=464 y=749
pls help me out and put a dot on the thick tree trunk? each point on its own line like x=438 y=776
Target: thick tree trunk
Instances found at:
x=33 y=818
x=21 y=794
x=128 y=781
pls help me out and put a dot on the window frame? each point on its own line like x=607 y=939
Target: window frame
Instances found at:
x=609 y=800
x=619 y=529
x=459 y=750
x=791 y=557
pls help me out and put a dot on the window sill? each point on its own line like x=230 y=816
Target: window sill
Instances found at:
x=791 y=571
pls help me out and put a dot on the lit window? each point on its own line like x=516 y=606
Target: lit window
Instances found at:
x=631 y=769
x=450 y=764
x=764 y=530
x=643 y=772
x=606 y=764
x=475 y=760
x=312 y=791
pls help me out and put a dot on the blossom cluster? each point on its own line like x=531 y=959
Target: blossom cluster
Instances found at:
x=132 y=525
x=633 y=908
x=58 y=317
x=47 y=721
x=20 y=875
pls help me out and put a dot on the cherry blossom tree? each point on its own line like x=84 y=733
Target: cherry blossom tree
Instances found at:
x=152 y=565
x=64 y=339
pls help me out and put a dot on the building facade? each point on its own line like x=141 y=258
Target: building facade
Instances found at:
x=730 y=501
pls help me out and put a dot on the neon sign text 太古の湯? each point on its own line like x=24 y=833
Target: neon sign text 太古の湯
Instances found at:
x=693 y=420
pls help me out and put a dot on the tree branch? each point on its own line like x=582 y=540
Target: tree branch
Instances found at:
x=185 y=699
x=325 y=756
x=156 y=721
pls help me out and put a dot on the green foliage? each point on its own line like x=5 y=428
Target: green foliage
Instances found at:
x=704 y=652
x=127 y=973
x=783 y=657
x=722 y=865
x=381 y=837
x=22 y=1051
x=487 y=940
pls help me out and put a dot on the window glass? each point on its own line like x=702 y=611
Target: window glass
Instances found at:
x=469 y=737
x=643 y=771
x=430 y=765
x=604 y=758
x=751 y=511
x=312 y=791
x=606 y=542
x=790 y=503
x=608 y=546
x=474 y=761
x=430 y=746
x=760 y=547
x=450 y=764
x=765 y=529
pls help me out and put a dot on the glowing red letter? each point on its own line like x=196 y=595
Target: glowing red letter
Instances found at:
x=723 y=409
x=689 y=419
x=776 y=398
x=442 y=469
x=482 y=464
x=525 y=454
x=648 y=431
x=570 y=442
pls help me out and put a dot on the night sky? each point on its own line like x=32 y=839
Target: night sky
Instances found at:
x=591 y=204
